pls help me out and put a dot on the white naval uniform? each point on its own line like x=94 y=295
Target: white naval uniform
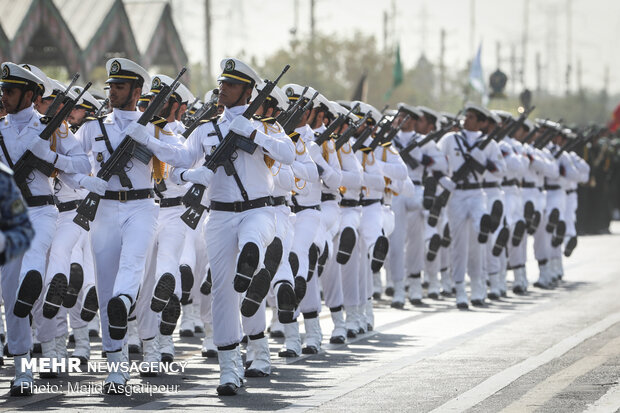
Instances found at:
x=308 y=220
x=167 y=248
x=122 y=233
x=67 y=239
x=571 y=194
x=412 y=232
x=334 y=281
x=557 y=198
x=351 y=187
x=491 y=181
x=465 y=209
x=516 y=166
x=227 y=232
x=18 y=130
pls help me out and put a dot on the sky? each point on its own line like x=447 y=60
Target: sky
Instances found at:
x=253 y=28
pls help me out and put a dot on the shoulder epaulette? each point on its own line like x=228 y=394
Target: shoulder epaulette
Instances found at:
x=294 y=136
x=213 y=119
x=5 y=168
x=365 y=149
x=157 y=121
x=387 y=144
x=317 y=134
x=268 y=120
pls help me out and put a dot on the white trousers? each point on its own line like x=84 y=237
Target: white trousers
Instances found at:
x=227 y=233
x=465 y=208
x=43 y=219
x=350 y=272
x=83 y=255
x=66 y=240
x=122 y=236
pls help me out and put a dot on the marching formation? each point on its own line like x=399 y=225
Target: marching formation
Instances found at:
x=149 y=206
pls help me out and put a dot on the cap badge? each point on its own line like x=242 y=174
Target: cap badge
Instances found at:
x=5 y=72
x=27 y=67
x=230 y=65
x=156 y=83
x=289 y=91
x=115 y=67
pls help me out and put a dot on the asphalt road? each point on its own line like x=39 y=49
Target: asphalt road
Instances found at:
x=552 y=350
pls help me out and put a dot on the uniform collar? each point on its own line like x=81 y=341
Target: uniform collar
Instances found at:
x=24 y=119
x=231 y=113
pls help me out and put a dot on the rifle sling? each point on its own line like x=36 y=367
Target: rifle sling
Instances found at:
x=235 y=175
x=458 y=138
x=106 y=140
x=6 y=152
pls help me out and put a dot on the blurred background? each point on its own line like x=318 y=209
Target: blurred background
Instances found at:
x=559 y=55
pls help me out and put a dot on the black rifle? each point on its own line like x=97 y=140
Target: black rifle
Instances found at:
x=292 y=121
x=579 y=141
x=359 y=142
x=334 y=126
x=207 y=111
x=393 y=131
x=512 y=126
x=545 y=138
x=223 y=156
x=61 y=97
x=292 y=107
x=28 y=162
x=530 y=135
x=103 y=106
x=128 y=149
x=346 y=135
x=405 y=153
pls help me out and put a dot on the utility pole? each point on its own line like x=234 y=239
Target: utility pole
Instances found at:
x=579 y=78
x=442 y=63
x=312 y=38
x=538 y=73
x=472 y=27
x=385 y=31
x=513 y=68
x=424 y=27
x=208 y=40
x=569 y=44
x=524 y=40
x=498 y=53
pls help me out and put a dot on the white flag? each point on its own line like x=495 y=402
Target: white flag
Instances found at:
x=476 y=77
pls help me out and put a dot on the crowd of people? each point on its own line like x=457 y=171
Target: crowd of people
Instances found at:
x=150 y=206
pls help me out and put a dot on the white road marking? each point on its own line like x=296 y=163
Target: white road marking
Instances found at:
x=610 y=402
x=502 y=379
x=546 y=389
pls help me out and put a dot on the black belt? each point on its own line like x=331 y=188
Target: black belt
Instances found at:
x=241 y=206
x=490 y=184
x=366 y=202
x=169 y=202
x=132 y=195
x=349 y=203
x=570 y=191
x=40 y=200
x=552 y=187
x=68 y=206
x=327 y=197
x=510 y=182
x=526 y=184
x=279 y=200
x=468 y=185
x=299 y=208
x=416 y=182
